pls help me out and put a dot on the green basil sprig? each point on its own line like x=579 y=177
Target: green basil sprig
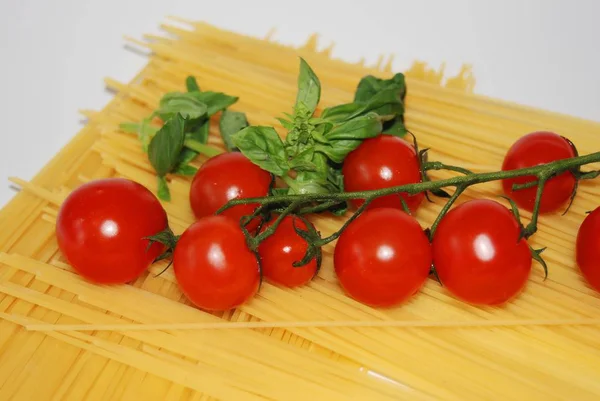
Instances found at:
x=184 y=135
x=309 y=159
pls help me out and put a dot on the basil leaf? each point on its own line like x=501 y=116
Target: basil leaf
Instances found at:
x=314 y=182
x=309 y=87
x=264 y=147
x=321 y=165
x=166 y=145
x=185 y=104
x=163 y=189
x=367 y=126
x=339 y=150
x=287 y=124
x=191 y=84
x=186 y=170
x=186 y=155
x=299 y=164
x=386 y=98
x=369 y=86
x=385 y=102
x=323 y=128
x=231 y=123
x=395 y=127
x=341 y=112
x=200 y=131
x=215 y=101
x=336 y=178
x=308 y=182
x=347 y=136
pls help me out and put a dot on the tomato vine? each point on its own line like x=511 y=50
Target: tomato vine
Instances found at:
x=310 y=203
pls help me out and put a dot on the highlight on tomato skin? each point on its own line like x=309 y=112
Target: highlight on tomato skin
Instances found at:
x=101 y=228
x=225 y=177
x=280 y=251
x=588 y=248
x=383 y=258
x=382 y=162
x=213 y=266
x=478 y=255
x=534 y=149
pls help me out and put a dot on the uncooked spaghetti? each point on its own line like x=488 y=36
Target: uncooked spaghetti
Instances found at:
x=522 y=360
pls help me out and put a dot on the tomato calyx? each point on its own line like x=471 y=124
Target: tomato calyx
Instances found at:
x=310 y=235
x=425 y=165
x=423 y=160
x=167 y=238
x=578 y=174
x=434 y=274
x=312 y=238
x=535 y=253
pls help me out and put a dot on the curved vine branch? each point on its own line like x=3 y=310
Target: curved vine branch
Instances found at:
x=309 y=203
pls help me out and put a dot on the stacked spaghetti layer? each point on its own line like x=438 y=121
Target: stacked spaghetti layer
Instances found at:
x=535 y=351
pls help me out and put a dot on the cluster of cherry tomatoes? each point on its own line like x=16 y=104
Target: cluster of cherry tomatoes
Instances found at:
x=381 y=259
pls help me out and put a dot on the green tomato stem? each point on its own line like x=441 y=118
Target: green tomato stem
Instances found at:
x=441 y=166
x=532 y=226
x=459 y=190
x=530 y=184
x=288 y=204
x=542 y=170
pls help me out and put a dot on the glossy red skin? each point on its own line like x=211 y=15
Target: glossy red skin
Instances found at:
x=382 y=162
x=213 y=266
x=383 y=257
x=588 y=249
x=281 y=250
x=225 y=177
x=495 y=274
x=101 y=226
x=532 y=150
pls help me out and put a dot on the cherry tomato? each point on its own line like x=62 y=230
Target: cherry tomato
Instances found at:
x=532 y=150
x=383 y=257
x=588 y=248
x=382 y=162
x=280 y=251
x=101 y=228
x=477 y=253
x=213 y=265
x=223 y=178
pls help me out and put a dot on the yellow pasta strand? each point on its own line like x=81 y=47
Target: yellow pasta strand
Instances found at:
x=284 y=325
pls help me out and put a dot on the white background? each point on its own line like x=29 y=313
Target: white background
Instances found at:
x=54 y=54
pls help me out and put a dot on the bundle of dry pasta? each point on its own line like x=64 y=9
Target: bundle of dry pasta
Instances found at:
x=543 y=345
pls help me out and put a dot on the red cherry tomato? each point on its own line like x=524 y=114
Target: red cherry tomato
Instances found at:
x=280 y=251
x=223 y=178
x=383 y=257
x=101 y=228
x=213 y=266
x=477 y=253
x=532 y=150
x=588 y=248
x=382 y=162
